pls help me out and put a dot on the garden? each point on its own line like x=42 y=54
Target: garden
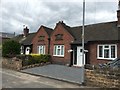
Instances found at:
x=14 y=60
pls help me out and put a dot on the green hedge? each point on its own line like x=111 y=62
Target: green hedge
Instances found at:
x=33 y=59
x=10 y=48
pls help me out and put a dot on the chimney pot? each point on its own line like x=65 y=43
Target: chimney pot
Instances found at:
x=26 y=31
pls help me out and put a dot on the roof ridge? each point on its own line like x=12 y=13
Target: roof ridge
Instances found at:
x=95 y=24
x=46 y=27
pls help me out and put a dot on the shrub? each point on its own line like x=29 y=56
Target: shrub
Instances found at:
x=33 y=59
x=10 y=48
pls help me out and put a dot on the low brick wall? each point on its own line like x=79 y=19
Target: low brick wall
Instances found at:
x=12 y=63
x=16 y=64
x=103 y=78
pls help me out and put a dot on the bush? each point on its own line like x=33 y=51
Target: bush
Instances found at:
x=10 y=48
x=33 y=59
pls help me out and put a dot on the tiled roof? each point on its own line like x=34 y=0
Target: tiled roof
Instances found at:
x=48 y=30
x=95 y=32
x=24 y=40
x=28 y=40
x=18 y=37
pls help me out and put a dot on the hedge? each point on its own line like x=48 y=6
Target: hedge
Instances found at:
x=33 y=59
x=10 y=48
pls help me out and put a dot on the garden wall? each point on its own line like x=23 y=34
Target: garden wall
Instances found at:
x=25 y=61
x=12 y=63
x=103 y=78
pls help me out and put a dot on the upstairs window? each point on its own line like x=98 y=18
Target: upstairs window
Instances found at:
x=59 y=37
x=41 y=38
x=107 y=51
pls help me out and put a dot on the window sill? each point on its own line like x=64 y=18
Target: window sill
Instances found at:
x=106 y=58
x=58 y=56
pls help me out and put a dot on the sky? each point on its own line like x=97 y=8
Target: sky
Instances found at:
x=34 y=13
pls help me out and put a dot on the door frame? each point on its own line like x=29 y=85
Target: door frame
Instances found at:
x=27 y=49
x=76 y=60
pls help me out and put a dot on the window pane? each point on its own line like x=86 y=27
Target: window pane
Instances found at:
x=112 y=51
x=62 y=50
x=43 y=49
x=58 y=47
x=58 y=51
x=100 y=51
x=106 y=53
x=106 y=46
x=38 y=49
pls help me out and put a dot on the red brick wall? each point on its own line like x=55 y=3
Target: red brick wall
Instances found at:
x=93 y=53
x=36 y=42
x=67 y=39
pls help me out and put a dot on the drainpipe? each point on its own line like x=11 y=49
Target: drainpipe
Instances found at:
x=48 y=45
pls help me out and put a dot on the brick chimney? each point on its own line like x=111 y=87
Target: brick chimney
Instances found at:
x=118 y=14
x=26 y=31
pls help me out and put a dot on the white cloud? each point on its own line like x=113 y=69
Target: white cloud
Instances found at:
x=34 y=13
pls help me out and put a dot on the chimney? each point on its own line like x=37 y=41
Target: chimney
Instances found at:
x=118 y=14
x=61 y=22
x=26 y=31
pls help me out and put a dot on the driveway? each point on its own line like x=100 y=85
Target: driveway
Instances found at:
x=60 y=72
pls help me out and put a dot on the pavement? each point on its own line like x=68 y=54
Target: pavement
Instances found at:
x=58 y=72
x=14 y=79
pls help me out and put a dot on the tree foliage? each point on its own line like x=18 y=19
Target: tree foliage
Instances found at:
x=10 y=48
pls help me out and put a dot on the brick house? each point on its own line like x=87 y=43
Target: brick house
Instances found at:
x=41 y=40
x=60 y=44
x=102 y=45
x=25 y=40
x=102 y=41
x=64 y=43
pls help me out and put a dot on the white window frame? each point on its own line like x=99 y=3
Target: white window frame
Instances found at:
x=22 y=49
x=56 y=47
x=41 y=47
x=109 y=48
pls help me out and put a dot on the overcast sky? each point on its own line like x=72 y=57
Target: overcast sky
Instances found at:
x=34 y=13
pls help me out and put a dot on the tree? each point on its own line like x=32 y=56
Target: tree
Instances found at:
x=10 y=48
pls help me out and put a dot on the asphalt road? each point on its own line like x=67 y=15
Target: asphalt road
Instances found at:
x=14 y=79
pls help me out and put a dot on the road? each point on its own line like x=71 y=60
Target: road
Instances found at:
x=14 y=79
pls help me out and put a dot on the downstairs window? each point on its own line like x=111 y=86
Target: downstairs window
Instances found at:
x=107 y=51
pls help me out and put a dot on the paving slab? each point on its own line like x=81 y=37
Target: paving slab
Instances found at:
x=60 y=72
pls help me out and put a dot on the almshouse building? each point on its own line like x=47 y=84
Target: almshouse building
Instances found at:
x=64 y=43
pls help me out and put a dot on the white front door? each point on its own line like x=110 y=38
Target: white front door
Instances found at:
x=27 y=51
x=79 y=61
